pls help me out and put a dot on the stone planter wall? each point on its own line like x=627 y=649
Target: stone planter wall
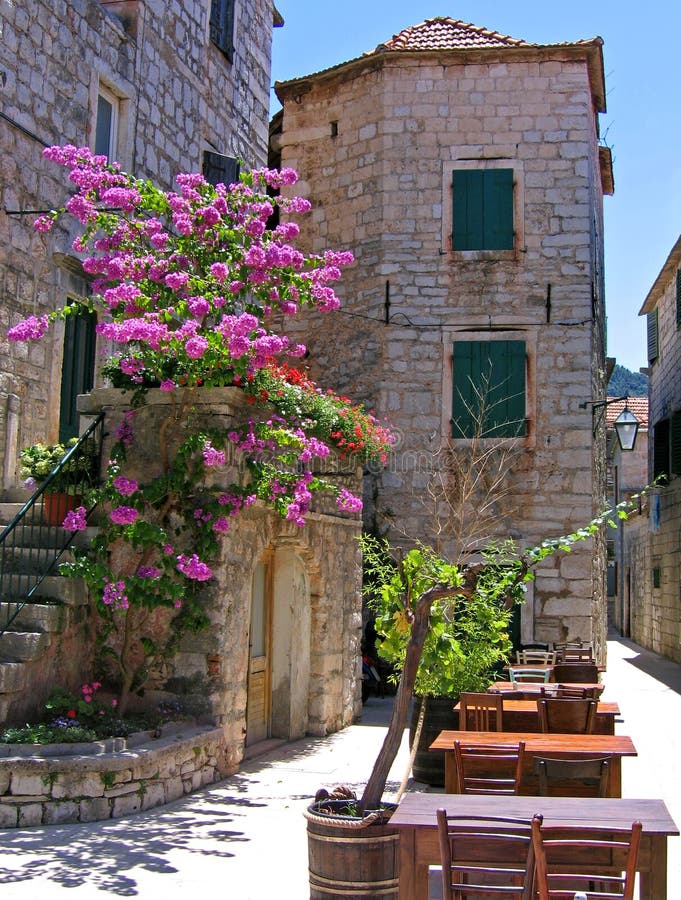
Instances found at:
x=61 y=783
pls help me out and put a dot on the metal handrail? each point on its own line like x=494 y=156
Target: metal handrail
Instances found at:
x=30 y=545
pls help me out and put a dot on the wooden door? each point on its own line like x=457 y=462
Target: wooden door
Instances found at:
x=78 y=369
x=259 y=657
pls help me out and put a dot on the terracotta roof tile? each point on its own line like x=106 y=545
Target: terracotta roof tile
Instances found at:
x=637 y=405
x=443 y=33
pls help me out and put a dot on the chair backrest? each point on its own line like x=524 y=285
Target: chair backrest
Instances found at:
x=528 y=674
x=528 y=657
x=601 y=862
x=590 y=773
x=567 y=693
x=564 y=716
x=575 y=654
x=492 y=856
x=494 y=769
x=576 y=672
x=481 y=712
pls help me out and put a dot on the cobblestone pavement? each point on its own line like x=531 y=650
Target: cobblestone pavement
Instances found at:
x=245 y=837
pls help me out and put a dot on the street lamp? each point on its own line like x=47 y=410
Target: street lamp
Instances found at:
x=626 y=424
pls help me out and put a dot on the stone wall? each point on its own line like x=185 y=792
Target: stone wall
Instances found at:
x=316 y=608
x=375 y=142
x=177 y=95
x=64 y=783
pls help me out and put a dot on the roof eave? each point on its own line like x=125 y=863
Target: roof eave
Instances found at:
x=672 y=263
x=592 y=50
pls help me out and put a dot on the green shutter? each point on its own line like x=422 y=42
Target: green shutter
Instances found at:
x=675 y=444
x=482 y=209
x=653 y=348
x=78 y=369
x=466 y=378
x=661 y=449
x=678 y=298
x=467 y=205
x=489 y=384
x=498 y=209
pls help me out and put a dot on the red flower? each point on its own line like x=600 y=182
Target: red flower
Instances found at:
x=71 y=714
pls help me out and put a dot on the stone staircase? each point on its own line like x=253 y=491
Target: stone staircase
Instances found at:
x=31 y=662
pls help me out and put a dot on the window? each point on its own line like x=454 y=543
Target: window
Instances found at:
x=106 y=126
x=222 y=25
x=488 y=389
x=482 y=209
x=220 y=169
x=653 y=350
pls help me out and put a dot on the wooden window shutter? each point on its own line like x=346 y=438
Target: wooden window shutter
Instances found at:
x=498 y=209
x=465 y=403
x=467 y=207
x=678 y=298
x=653 y=344
x=661 y=449
x=220 y=169
x=482 y=209
x=505 y=411
x=222 y=25
x=675 y=444
x=489 y=389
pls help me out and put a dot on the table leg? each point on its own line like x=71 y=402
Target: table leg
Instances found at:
x=654 y=882
x=450 y=772
x=615 y=777
x=407 y=863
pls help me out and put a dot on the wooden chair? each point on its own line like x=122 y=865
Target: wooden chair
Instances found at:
x=599 y=861
x=488 y=770
x=591 y=773
x=576 y=672
x=566 y=716
x=481 y=712
x=504 y=869
x=528 y=674
x=530 y=657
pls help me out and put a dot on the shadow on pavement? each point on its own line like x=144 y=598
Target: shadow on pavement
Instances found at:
x=659 y=668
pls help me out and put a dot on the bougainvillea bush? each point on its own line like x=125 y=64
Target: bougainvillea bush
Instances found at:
x=188 y=286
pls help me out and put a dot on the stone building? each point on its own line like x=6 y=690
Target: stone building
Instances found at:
x=464 y=170
x=656 y=570
x=163 y=87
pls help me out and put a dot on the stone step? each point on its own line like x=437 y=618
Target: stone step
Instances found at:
x=16 y=646
x=30 y=560
x=12 y=677
x=40 y=617
x=49 y=536
x=54 y=588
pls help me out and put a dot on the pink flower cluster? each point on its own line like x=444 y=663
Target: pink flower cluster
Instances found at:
x=213 y=457
x=30 y=329
x=125 y=486
x=349 y=502
x=124 y=515
x=193 y=568
x=75 y=520
x=114 y=594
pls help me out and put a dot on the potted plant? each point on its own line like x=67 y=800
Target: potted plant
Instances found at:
x=64 y=490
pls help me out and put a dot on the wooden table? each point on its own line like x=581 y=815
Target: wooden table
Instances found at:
x=419 y=848
x=531 y=689
x=558 y=746
x=522 y=715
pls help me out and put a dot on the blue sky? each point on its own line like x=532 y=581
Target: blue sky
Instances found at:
x=642 y=124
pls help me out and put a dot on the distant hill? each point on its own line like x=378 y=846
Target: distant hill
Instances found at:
x=624 y=383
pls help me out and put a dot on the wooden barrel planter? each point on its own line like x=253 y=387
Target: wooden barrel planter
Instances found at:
x=429 y=765
x=351 y=857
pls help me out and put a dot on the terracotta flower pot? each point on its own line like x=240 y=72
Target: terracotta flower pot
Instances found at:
x=56 y=506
